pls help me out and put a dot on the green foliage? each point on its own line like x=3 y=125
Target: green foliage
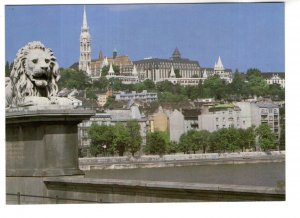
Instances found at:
x=156 y=143
x=115 y=139
x=105 y=69
x=266 y=138
x=101 y=85
x=258 y=85
x=101 y=139
x=8 y=69
x=214 y=87
x=109 y=102
x=177 y=73
x=194 y=140
x=73 y=79
x=121 y=138
x=135 y=139
x=170 y=97
x=247 y=138
x=172 y=147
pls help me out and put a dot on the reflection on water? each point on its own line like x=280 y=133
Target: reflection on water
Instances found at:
x=257 y=174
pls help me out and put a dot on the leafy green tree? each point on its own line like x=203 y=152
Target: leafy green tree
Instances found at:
x=101 y=84
x=258 y=85
x=266 y=138
x=8 y=69
x=276 y=92
x=177 y=73
x=101 y=139
x=225 y=139
x=172 y=147
x=238 y=86
x=214 y=87
x=135 y=139
x=247 y=138
x=156 y=143
x=204 y=140
x=184 y=143
x=170 y=97
x=73 y=79
x=149 y=85
x=121 y=138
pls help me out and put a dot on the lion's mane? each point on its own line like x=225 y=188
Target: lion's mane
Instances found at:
x=22 y=86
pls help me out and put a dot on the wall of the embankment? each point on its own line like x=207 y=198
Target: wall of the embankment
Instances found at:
x=149 y=161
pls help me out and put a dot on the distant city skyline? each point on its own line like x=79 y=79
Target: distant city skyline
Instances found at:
x=245 y=35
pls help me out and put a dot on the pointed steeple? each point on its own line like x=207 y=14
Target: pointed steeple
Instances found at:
x=172 y=74
x=84 y=23
x=105 y=62
x=111 y=70
x=85 y=46
x=219 y=65
x=134 y=71
x=176 y=54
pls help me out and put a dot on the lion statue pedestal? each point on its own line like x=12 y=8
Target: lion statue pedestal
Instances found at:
x=41 y=128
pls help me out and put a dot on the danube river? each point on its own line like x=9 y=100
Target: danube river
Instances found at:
x=252 y=174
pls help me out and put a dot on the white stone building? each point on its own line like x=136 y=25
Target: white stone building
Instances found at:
x=240 y=115
x=143 y=96
x=275 y=78
x=176 y=125
x=85 y=47
x=219 y=69
x=125 y=79
x=268 y=113
x=220 y=116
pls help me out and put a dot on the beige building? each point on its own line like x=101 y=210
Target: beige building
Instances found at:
x=159 y=121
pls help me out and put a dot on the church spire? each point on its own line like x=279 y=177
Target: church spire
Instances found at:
x=84 y=23
x=219 y=65
x=85 y=46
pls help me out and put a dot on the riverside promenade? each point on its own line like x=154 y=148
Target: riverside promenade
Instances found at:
x=153 y=161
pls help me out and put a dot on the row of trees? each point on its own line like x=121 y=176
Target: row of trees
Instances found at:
x=109 y=140
x=121 y=138
x=242 y=86
x=223 y=140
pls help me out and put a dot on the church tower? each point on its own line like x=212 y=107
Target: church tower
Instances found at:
x=85 y=46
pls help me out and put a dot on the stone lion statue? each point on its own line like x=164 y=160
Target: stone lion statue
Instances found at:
x=33 y=79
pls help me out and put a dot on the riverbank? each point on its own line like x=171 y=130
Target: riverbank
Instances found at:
x=155 y=161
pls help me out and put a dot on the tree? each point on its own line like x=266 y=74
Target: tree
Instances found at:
x=204 y=140
x=156 y=143
x=258 y=85
x=73 y=79
x=101 y=139
x=247 y=138
x=266 y=138
x=238 y=86
x=135 y=138
x=8 y=69
x=149 y=85
x=172 y=147
x=121 y=138
x=214 y=87
x=177 y=73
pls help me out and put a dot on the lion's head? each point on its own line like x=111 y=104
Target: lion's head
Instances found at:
x=35 y=72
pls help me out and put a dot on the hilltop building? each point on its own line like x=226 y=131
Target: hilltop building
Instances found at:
x=219 y=69
x=275 y=78
x=125 y=79
x=157 y=69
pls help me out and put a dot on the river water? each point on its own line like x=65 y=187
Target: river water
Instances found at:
x=256 y=174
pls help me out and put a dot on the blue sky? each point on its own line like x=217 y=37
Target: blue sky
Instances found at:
x=245 y=35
